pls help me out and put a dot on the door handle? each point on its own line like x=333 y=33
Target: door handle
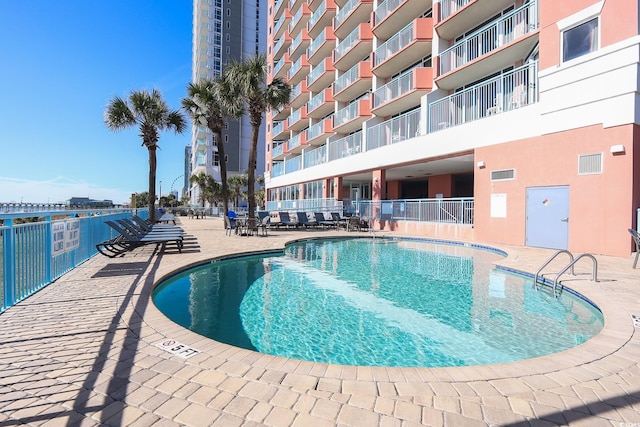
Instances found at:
x=565 y=219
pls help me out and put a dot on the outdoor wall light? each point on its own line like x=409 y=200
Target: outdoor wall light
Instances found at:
x=617 y=149
x=480 y=165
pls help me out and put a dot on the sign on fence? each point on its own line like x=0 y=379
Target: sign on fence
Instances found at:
x=65 y=236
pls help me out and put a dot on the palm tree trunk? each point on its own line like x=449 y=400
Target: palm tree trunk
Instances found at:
x=223 y=173
x=152 y=184
x=251 y=170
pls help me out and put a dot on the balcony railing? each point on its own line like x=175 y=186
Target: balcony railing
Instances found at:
x=296 y=66
x=344 y=12
x=516 y=24
x=393 y=45
x=347 y=43
x=316 y=101
x=278 y=26
x=278 y=127
x=295 y=141
x=315 y=157
x=449 y=7
x=280 y=64
x=315 y=44
x=507 y=92
x=317 y=14
x=385 y=9
x=347 y=113
x=278 y=151
x=345 y=147
x=277 y=169
x=315 y=72
x=346 y=79
x=450 y=211
x=395 y=88
x=397 y=129
x=316 y=130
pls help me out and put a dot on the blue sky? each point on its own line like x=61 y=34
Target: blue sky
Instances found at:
x=61 y=62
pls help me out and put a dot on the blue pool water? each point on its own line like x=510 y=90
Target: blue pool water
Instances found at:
x=377 y=302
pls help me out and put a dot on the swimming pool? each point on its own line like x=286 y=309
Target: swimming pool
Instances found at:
x=377 y=302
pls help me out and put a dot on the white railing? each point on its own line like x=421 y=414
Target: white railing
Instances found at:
x=346 y=79
x=315 y=44
x=315 y=157
x=449 y=7
x=506 y=92
x=516 y=24
x=296 y=42
x=317 y=14
x=315 y=72
x=456 y=210
x=315 y=102
x=315 y=130
x=295 y=66
x=395 y=88
x=345 y=147
x=345 y=45
x=344 y=12
x=306 y=205
x=294 y=20
x=394 y=130
x=393 y=45
x=295 y=116
x=295 y=141
x=385 y=9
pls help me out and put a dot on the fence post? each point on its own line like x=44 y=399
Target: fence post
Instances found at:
x=9 y=253
x=48 y=249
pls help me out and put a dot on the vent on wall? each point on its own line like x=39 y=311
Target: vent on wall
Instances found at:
x=503 y=175
x=589 y=164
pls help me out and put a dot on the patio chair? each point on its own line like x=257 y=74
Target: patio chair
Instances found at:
x=341 y=222
x=636 y=239
x=303 y=220
x=322 y=221
x=265 y=224
x=285 y=220
x=251 y=226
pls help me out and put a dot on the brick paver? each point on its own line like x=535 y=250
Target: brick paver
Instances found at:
x=83 y=351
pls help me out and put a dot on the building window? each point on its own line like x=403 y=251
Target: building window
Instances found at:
x=216 y=159
x=226 y=138
x=580 y=40
x=228 y=37
x=228 y=50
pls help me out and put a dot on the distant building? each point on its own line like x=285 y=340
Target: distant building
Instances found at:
x=87 y=203
x=224 y=32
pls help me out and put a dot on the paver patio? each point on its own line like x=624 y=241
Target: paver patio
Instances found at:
x=83 y=352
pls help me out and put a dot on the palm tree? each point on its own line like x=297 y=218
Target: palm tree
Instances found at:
x=200 y=180
x=237 y=184
x=208 y=103
x=249 y=78
x=151 y=114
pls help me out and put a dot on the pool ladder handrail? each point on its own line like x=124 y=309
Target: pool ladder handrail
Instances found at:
x=547 y=262
x=594 y=277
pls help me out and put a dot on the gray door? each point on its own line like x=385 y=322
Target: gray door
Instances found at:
x=547 y=224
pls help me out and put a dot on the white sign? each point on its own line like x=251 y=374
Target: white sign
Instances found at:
x=57 y=237
x=65 y=236
x=499 y=205
x=178 y=349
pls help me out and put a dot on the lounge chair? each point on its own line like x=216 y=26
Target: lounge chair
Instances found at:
x=150 y=227
x=285 y=220
x=636 y=239
x=341 y=222
x=138 y=231
x=323 y=222
x=126 y=241
x=303 y=220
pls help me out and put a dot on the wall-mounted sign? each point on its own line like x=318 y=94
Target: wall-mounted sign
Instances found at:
x=65 y=236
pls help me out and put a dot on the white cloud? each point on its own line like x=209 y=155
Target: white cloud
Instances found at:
x=55 y=190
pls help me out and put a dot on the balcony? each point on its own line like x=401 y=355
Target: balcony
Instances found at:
x=408 y=46
x=458 y=16
x=509 y=91
x=354 y=48
x=281 y=25
x=317 y=134
x=321 y=18
x=278 y=152
x=403 y=92
x=345 y=147
x=397 y=129
x=315 y=157
x=281 y=114
x=295 y=4
x=298 y=119
x=350 y=118
x=281 y=46
x=297 y=143
x=299 y=95
x=393 y=15
x=280 y=130
x=300 y=19
x=299 y=70
x=321 y=47
x=350 y=15
x=299 y=45
x=353 y=82
x=282 y=67
x=505 y=41
x=321 y=75
x=321 y=104
x=279 y=8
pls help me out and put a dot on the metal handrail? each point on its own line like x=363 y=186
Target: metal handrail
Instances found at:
x=547 y=262
x=594 y=277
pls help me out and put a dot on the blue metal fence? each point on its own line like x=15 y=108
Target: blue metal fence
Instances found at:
x=32 y=254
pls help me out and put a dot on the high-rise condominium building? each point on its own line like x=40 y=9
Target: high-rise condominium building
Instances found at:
x=225 y=31
x=513 y=122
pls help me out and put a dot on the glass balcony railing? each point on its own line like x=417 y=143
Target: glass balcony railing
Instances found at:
x=347 y=113
x=295 y=67
x=316 y=130
x=315 y=16
x=393 y=45
x=316 y=101
x=293 y=165
x=279 y=64
x=516 y=24
x=346 y=79
x=509 y=91
x=278 y=128
x=315 y=44
x=277 y=169
x=278 y=25
x=315 y=72
x=385 y=9
x=296 y=91
x=295 y=116
x=295 y=141
x=345 y=45
x=344 y=12
x=277 y=151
